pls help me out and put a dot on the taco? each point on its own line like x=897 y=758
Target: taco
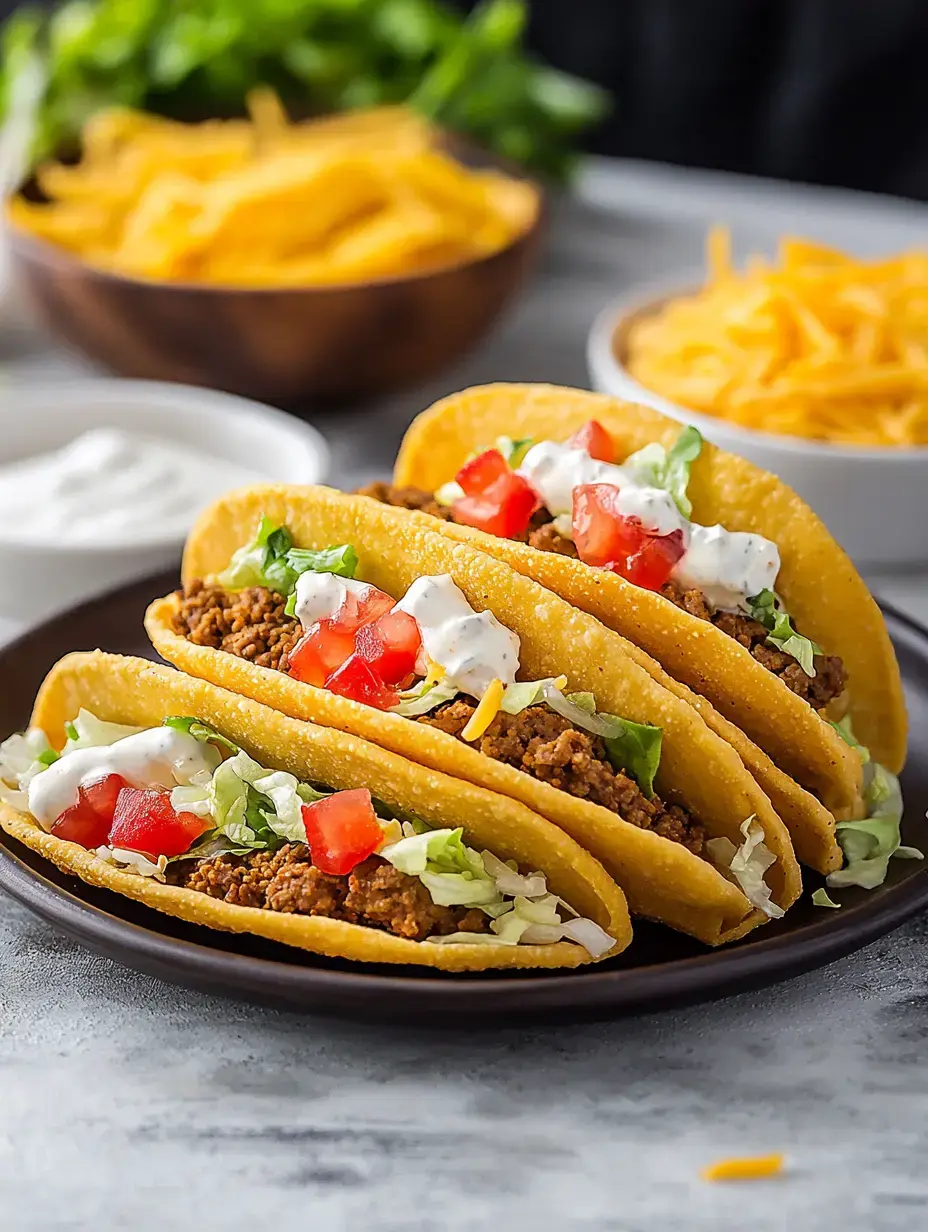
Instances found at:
x=713 y=567
x=347 y=613
x=224 y=813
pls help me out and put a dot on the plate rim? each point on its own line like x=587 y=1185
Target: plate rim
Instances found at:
x=610 y=992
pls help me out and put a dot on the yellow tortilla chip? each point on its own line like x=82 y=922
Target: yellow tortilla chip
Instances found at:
x=661 y=879
x=817 y=582
x=134 y=691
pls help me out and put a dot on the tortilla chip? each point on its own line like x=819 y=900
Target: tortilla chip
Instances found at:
x=128 y=690
x=818 y=583
x=661 y=879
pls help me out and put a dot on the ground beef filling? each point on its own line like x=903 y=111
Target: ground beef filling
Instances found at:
x=546 y=746
x=374 y=893
x=830 y=677
x=248 y=623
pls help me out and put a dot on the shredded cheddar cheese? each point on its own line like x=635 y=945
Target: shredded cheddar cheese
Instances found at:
x=748 y=1168
x=815 y=344
x=486 y=712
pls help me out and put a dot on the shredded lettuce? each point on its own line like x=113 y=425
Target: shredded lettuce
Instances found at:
x=22 y=757
x=424 y=698
x=747 y=864
x=668 y=468
x=765 y=609
x=870 y=843
x=271 y=560
x=518 y=697
x=447 y=494
x=88 y=732
x=134 y=862
x=820 y=898
x=200 y=731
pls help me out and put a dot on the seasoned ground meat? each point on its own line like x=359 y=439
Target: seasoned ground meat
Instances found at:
x=407 y=498
x=374 y=893
x=830 y=677
x=248 y=623
x=545 y=745
x=546 y=538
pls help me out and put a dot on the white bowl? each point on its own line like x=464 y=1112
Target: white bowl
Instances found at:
x=35 y=418
x=874 y=501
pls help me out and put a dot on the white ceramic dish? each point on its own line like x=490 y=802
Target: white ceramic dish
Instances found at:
x=34 y=582
x=874 y=501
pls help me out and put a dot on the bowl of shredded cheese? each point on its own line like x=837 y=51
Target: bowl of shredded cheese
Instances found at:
x=813 y=365
x=330 y=258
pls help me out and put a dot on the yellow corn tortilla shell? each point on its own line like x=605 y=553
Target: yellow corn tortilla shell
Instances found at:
x=128 y=690
x=817 y=582
x=661 y=879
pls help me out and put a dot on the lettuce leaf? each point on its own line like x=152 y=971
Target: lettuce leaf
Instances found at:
x=870 y=843
x=764 y=609
x=86 y=731
x=820 y=898
x=636 y=749
x=424 y=698
x=22 y=756
x=747 y=864
x=270 y=560
x=200 y=731
x=669 y=469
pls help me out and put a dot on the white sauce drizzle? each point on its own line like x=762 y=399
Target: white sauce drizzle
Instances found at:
x=472 y=647
x=159 y=757
x=727 y=566
x=320 y=595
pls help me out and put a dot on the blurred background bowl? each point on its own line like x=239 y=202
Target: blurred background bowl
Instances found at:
x=873 y=500
x=284 y=346
x=38 y=579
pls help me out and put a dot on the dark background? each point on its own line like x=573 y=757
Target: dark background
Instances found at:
x=826 y=91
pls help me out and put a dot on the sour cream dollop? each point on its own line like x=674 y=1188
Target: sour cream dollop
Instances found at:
x=111 y=486
x=472 y=647
x=727 y=566
x=320 y=595
x=159 y=757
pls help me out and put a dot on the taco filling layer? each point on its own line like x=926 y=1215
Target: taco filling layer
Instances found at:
x=570 y=498
x=182 y=804
x=433 y=659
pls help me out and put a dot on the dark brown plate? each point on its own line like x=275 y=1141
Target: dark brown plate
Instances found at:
x=660 y=968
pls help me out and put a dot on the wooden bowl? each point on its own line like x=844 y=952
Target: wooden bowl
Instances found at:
x=284 y=346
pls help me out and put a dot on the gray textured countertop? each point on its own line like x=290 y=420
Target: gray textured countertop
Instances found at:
x=127 y=1103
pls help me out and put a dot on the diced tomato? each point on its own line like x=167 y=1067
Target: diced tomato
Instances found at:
x=342 y=830
x=102 y=795
x=324 y=649
x=479 y=473
x=595 y=440
x=145 y=821
x=651 y=566
x=391 y=646
x=88 y=821
x=331 y=641
x=358 y=681
x=82 y=824
x=608 y=539
x=496 y=499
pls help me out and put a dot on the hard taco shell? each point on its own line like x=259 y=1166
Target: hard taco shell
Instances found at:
x=134 y=691
x=662 y=879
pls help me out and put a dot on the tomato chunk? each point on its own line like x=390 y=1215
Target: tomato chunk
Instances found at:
x=330 y=642
x=496 y=499
x=595 y=440
x=324 y=649
x=608 y=539
x=342 y=830
x=359 y=682
x=88 y=821
x=145 y=821
x=391 y=646
x=82 y=824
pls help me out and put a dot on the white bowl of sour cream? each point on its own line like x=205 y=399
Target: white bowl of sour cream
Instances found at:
x=873 y=500
x=100 y=480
